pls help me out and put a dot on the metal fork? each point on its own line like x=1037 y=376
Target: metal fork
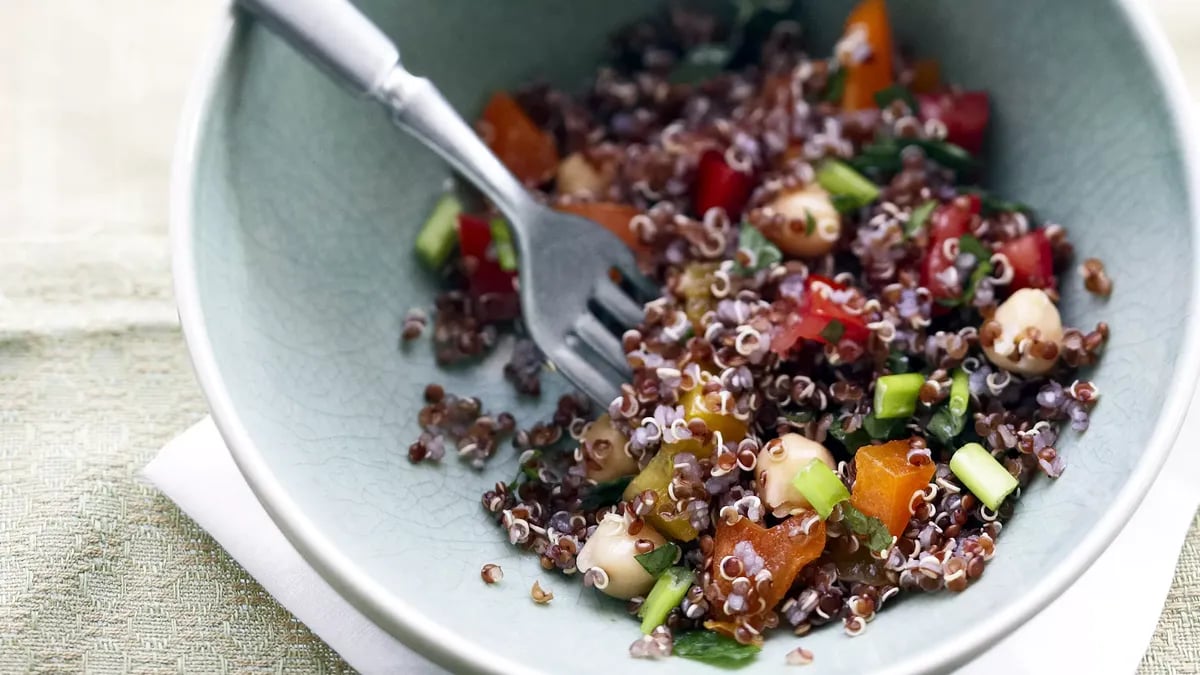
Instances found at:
x=572 y=306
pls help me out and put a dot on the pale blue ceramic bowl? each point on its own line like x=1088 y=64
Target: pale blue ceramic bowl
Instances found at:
x=295 y=208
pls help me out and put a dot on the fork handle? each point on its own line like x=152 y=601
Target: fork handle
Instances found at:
x=347 y=45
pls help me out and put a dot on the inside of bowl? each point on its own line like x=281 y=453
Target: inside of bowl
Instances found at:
x=307 y=202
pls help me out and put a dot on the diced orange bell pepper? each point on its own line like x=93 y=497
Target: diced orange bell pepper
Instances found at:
x=613 y=217
x=526 y=150
x=657 y=476
x=885 y=481
x=864 y=80
x=784 y=548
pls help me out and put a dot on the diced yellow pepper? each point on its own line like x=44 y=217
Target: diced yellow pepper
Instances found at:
x=657 y=476
x=695 y=288
x=694 y=407
x=658 y=473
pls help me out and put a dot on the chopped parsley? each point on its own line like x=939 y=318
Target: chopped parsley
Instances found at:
x=605 y=494
x=657 y=561
x=762 y=252
x=810 y=224
x=835 y=87
x=896 y=92
x=713 y=648
x=945 y=426
x=919 y=216
x=833 y=331
x=877 y=537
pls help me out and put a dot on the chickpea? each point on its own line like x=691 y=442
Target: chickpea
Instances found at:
x=612 y=549
x=577 y=175
x=1030 y=333
x=793 y=238
x=778 y=463
x=604 y=448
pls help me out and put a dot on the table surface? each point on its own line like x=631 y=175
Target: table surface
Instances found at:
x=97 y=570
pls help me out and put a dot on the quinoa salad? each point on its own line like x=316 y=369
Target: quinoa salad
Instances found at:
x=855 y=362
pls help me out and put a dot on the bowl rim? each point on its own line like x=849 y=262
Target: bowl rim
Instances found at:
x=456 y=651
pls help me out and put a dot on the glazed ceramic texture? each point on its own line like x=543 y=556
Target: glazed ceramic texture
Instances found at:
x=296 y=208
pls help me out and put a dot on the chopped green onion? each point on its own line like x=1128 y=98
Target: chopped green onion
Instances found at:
x=843 y=181
x=896 y=395
x=821 y=487
x=918 y=217
x=666 y=595
x=439 y=234
x=960 y=393
x=982 y=474
x=506 y=255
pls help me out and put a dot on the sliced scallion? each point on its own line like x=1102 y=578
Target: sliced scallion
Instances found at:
x=852 y=188
x=982 y=474
x=821 y=487
x=896 y=395
x=960 y=393
x=668 y=592
x=506 y=254
x=439 y=234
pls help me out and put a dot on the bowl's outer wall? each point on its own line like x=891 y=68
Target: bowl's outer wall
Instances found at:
x=307 y=202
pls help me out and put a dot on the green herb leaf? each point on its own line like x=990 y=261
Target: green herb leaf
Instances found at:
x=713 y=648
x=763 y=252
x=700 y=64
x=945 y=426
x=810 y=223
x=885 y=97
x=884 y=155
x=845 y=203
x=657 y=561
x=877 y=536
x=897 y=362
x=605 y=494
x=801 y=417
x=918 y=217
x=851 y=440
x=833 y=331
x=835 y=87
x=970 y=244
x=883 y=430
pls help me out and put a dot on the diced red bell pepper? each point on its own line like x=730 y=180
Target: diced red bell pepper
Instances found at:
x=864 y=80
x=1032 y=261
x=526 y=150
x=718 y=184
x=965 y=115
x=814 y=314
x=493 y=289
x=949 y=221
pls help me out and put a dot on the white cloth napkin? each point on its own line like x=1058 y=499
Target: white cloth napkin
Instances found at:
x=198 y=473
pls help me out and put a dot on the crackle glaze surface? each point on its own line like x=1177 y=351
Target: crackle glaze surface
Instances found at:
x=302 y=206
